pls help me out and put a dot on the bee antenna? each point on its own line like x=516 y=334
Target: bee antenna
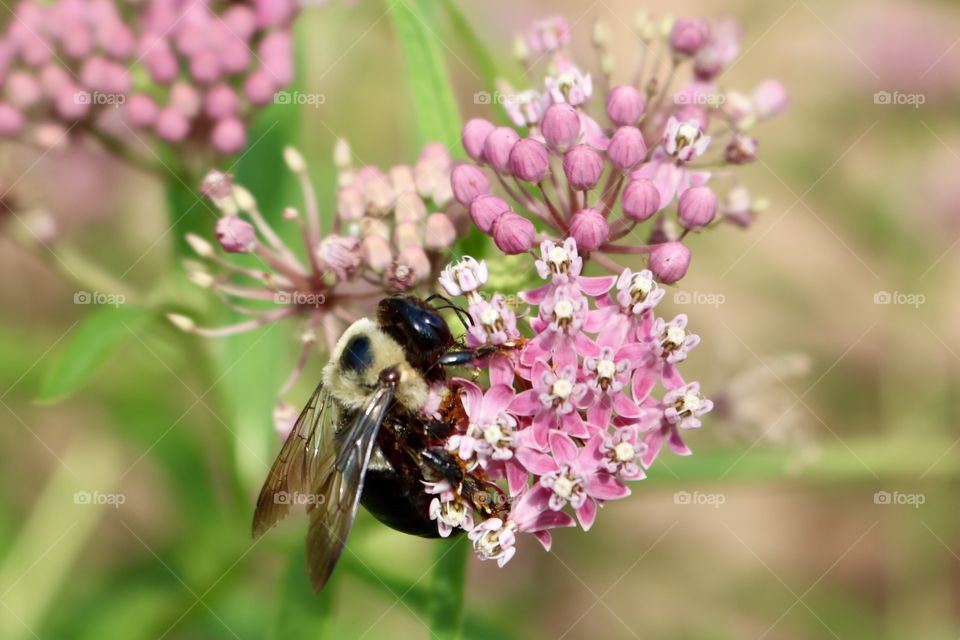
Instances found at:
x=461 y=313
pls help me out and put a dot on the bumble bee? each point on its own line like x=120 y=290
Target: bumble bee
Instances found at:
x=363 y=439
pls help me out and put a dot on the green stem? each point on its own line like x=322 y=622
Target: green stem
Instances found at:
x=448 y=585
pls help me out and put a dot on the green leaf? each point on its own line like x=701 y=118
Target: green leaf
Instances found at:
x=449 y=582
x=92 y=341
x=435 y=107
x=300 y=612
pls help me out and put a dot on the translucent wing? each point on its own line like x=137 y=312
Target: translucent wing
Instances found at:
x=339 y=491
x=305 y=457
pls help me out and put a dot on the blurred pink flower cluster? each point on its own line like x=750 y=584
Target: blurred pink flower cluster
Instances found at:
x=184 y=70
x=656 y=155
x=392 y=233
x=572 y=412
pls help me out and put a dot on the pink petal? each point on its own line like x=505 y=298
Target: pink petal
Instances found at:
x=596 y=285
x=587 y=513
x=677 y=445
x=497 y=399
x=604 y=486
x=565 y=355
x=643 y=381
x=471 y=396
x=573 y=424
x=671 y=377
x=654 y=441
x=632 y=352
x=517 y=477
x=526 y=403
x=563 y=447
x=550 y=520
x=625 y=407
x=501 y=371
x=535 y=462
x=600 y=412
x=536 y=296
x=586 y=347
x=544 y=538
x=592 y=133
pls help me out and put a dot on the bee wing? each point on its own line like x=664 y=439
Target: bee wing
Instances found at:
x=307 y=454
x=340 y=490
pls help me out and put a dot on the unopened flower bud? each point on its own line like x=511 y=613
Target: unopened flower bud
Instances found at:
x=377 y=252
x=513 y=234
x=439 y=232
x=484 y=211
x=589 y=228
x=497 y=147
x=402 y=179
x=244 y=199
x=641 y=199
x=688 y=35
x=350 y=204
x=693 y=114
x=417 y=260
x=408 y=234
x=583 y=167
x=342 y=156
x=341 y=254
x=11 y=121
x=182 y=322
x=561 y=126
x=171 y=125
x=474 y=135
x=669 y=261
x=236 y=235
x=141 y=110
x=529 y=160
x=741 y=150
x=627 y=148
x=294 y=160
x=468 y=182
x=229 y=135
x=624 y=105
x=770 y=99
x=698 y=206
x=200 y=246
x=409 y=207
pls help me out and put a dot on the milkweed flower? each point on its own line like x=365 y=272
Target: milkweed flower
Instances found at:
x=382 y=240
x=609 y=165
x=183 y=73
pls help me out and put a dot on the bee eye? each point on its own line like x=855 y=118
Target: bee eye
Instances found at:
x=357 y=355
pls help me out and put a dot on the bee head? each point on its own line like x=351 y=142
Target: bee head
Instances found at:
x=417 y=327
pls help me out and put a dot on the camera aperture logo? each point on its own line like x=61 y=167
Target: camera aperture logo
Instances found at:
x=300 y=98
x=97 y=498
x=899 y=298
x=99 y=298
x=898 y=498
x=698 y=498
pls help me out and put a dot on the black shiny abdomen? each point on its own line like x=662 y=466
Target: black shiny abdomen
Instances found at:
x=397 y=502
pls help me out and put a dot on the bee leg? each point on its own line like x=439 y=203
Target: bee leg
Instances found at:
x=450 y=468
x=438 y=429
x=457 y=358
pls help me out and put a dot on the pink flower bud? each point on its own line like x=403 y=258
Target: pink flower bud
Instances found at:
x=221 y=102
x=770 y=99
x=377 y=252
x=641 y=199
x=529 y=160
x=259 y=87
x=22 y=89
x=561 y=125
x=116 y=39
x=11 y=121
x=589 y=228
x=341 y=254
x=624 y=105
x=409 y=207
x=669 y=261
x=485 y=209
x=160 y=62
x=171 y=125
x=350 y=204
x=235 y=56
x=205 y=66
x=694 y=115
x=741 y=150
x=474 y=134
x=497 y=147
x=72 y=102
x=688 y=35
x=229 y=135
x=141 y=110
x=512 y=233
x=583 y=167
x=271 y=13
x=627 y=148
x=76 y=40
x=240 y=20
x=698 y=206
x=417 y=260
x=468 y=182
x=236 y=235
x=408 y=234
x=440 y=233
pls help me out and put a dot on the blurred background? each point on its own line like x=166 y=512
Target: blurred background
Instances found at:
x=820 y=501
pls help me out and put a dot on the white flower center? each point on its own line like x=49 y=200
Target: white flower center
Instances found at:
x=676 y=335
x=686 y=135
x=689 y=403
x=454 y=513
x=624 y=452
x=494 y=434
x=563 y=310
x=562 y=389
x=489 y=317
x=641 y=286
x=402 y=271
x=563 y=486
x=606 y=369
x=558 y=258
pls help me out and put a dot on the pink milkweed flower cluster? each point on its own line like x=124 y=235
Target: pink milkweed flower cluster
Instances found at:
x=577 y=406
x=391 y=232
x=184 y=71
x=638 y=176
